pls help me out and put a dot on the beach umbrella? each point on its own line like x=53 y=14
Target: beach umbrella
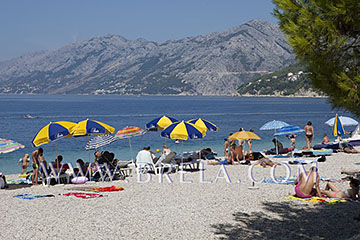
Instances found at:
x=161 y=122
x=183 y=131
x=129 y=132
x=244 y=135
x=7 y=145
x=90 y=127
x=288 y=130
x=346 y=121
x=53 y=132
x=338 y=127
x=204 y=124
x=99 y=141
x=273 y=125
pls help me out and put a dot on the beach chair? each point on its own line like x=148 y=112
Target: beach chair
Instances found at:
x=168 y=162
x=46 y=177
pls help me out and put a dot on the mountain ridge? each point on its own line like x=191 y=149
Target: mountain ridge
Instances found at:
x=211 y=64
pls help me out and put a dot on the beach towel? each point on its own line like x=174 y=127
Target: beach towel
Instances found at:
x=16 y=181
x=32 y=196
x=107 y=189
x=102 y=189
x=281 y=180
x=83 y=195
x=316 y=200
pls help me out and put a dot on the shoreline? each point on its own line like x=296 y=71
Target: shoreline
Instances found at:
x=163 y=95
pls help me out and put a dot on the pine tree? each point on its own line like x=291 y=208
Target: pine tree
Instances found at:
x=325 y=35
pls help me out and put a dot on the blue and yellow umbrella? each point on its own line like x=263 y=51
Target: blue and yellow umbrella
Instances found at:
x=183 y=130
x=204 y=124
x=338 y=127
x=91 y=127
x=52 y=132
x=161 y=122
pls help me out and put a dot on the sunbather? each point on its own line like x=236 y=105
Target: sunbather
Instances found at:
x=308 y=184
x=332 y=191
x=266 y=162
x=24 y=161
x=343 y=171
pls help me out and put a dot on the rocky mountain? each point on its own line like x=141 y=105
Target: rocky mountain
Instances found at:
x=213 y=64
x=290 y=81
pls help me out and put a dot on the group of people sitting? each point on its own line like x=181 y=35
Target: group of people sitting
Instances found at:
x=147 y=156
x=307 y=185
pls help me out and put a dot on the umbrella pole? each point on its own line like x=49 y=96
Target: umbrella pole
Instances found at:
x=56 y=150
x=131 y=155
x=182 y=151
x=89 y=149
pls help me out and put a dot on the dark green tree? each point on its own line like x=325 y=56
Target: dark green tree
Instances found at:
x=325 y=35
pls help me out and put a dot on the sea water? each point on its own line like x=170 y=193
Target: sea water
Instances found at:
x=228 y=113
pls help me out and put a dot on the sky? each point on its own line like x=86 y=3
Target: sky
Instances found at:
x=27 y=26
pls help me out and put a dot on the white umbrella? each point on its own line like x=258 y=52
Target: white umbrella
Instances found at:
x=346 y=121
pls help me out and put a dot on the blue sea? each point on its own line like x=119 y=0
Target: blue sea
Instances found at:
x=228 y=113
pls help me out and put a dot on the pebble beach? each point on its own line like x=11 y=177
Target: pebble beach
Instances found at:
x=199 y=208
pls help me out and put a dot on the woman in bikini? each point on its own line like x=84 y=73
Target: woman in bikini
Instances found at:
x=307 y=185
x=332 y=191
x=309 y=134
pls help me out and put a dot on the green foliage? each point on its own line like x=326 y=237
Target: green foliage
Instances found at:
x=326 y=36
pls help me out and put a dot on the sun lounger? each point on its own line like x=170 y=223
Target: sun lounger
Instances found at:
x=58 y=176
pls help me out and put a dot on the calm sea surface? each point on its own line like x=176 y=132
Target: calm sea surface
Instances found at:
x=228 y=113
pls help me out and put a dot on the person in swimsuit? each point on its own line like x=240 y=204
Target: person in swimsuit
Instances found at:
x=292 y=139
x=24 y=162
x=35 y=160
x=226 y=148
x=326 y=139
x=307 y=185
x=332 y=191
x=309 y=134
x=232 y=144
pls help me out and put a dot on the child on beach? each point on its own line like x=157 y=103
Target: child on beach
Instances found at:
x=24 y=163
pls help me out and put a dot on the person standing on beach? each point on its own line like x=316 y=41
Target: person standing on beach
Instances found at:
x=241 y=142
x=309 y=134
x=226 y=148
x=35 y=160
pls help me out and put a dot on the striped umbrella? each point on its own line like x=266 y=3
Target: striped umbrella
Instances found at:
x=99 y=141
x=338 y=127
x=346 y=121
x=7 y=145
x=161 y=122
x=90 y=127
x=183 y=130
x=288 y=130
x=53 y=132
x=129 y=132
x=204 y=124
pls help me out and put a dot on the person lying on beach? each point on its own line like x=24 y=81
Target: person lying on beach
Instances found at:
x=222 y=162
x=347 y=148
x=264 y=162
x=307 y=185
x=332 y=191
x=343 y=171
